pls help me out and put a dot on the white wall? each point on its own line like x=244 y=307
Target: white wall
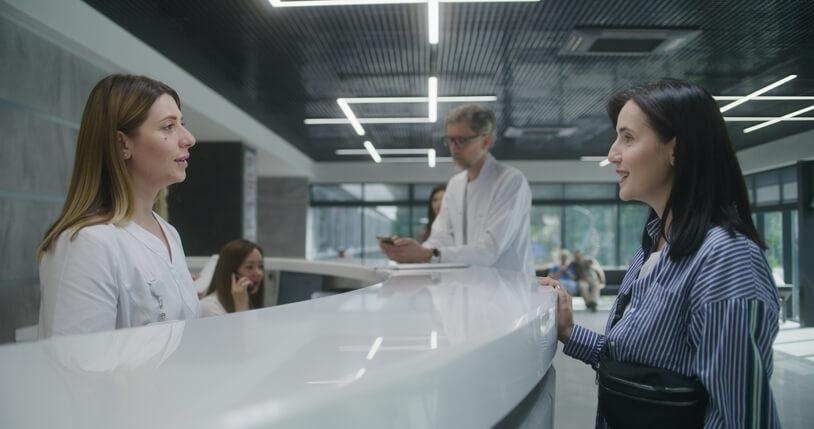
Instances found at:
x=82 y=30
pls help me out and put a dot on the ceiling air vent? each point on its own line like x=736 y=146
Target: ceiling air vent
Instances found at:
x=627 y=41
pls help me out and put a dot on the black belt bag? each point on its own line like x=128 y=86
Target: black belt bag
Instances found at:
x=637 y=396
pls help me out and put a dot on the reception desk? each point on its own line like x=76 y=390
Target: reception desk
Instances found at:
x=444 y=348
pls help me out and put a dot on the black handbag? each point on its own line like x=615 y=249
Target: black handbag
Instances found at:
x=638 y=396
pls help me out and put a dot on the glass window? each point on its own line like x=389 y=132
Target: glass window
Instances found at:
x=546 y=233
x=384 y=192
x=592 y=229
x=339 y=192
x=590 y=191
x=335 y=229
x=788 y=178
x=767 y=188
x=384 y=220
x=631 y=224
x=546 y=191
x=773 y=236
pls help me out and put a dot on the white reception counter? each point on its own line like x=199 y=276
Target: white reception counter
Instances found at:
x=446 y=348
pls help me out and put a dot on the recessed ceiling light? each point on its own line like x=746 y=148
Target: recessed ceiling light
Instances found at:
x=764 y=118
x=351 y=117
x=752 y=95
x=372 y=150
x=782 y=118
x=432 y=21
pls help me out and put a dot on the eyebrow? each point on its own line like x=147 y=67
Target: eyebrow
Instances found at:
x=170 y=117
x=623 y=129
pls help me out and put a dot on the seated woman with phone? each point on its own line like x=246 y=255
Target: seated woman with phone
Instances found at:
x=238 y=280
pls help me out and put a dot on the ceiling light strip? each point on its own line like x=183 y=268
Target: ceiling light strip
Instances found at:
x=372 y=151
x=450 y=99
x=763 y=118
x=313 y=3
x=432 y=21
x=766 y=97
x=756 y=93
x=433 y=99
x=351 y=117
x=782 y=118
x=431 y=158
x=333 y=121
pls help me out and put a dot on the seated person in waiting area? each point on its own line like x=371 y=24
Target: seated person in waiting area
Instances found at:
x=238 y=281
x=590 y=279
x=565 y=272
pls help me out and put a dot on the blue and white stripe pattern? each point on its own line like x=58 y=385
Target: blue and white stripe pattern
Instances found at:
x=713 y=315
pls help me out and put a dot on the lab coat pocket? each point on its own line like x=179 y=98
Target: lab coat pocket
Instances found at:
x=150 y=300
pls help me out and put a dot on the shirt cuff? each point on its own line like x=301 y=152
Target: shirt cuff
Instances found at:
x=584 y=345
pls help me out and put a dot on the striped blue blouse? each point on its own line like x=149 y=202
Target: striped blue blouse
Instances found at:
x=713 y=315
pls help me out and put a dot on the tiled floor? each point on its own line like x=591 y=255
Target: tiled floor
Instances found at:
x=792 y=382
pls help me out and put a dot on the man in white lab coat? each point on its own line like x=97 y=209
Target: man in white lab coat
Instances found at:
x=484 y=218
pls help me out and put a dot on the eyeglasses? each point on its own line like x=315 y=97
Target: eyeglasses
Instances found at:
x=459 y=141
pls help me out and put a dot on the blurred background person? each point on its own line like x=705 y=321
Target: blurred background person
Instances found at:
x=564 y=271
x=433 y=208
x=110 y=261
x=238 y=283
x=590 y=279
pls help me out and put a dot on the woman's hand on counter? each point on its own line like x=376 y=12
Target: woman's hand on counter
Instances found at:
x=565 y=310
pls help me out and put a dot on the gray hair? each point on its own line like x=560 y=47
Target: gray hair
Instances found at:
x=479 y=118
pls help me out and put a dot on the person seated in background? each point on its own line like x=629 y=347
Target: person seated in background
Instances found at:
x=238 y=281
x=565 y=272
x=590 y=279
x=110 y=261
x=433 y=208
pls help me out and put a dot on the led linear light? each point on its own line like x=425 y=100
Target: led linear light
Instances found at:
x=452 y=99
x=375 y=100
x=764 y=118
x=765 y=97
x=432 y=21
x=756 y=93
x=351 y=117
x=431 y=158
x=782 y=118
x=313 y=3
x=372 y=150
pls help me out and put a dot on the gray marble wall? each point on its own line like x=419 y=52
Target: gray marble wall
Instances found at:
x=43 y=89
x=282 y=213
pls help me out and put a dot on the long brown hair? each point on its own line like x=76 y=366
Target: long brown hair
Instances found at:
x=230 y=259
x=101 y=190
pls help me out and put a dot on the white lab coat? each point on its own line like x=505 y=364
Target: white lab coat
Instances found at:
x=110 y=278
x=498 y=202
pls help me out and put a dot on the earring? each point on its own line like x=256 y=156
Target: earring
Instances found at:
x=127 y=156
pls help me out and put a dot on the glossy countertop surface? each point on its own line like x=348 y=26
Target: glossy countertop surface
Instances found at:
x=444 y=348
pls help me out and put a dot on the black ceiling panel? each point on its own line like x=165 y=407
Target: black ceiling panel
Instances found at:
x=283 y=65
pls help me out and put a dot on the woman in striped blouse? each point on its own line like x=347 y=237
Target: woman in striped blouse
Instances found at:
x=703 y=301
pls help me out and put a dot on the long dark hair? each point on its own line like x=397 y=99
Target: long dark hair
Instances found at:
x=431 y=214
x=230 y=258
x=708 y=186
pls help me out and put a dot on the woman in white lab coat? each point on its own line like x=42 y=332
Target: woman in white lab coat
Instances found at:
x=109 y=261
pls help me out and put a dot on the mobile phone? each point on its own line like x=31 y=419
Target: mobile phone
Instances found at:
x=385 y=239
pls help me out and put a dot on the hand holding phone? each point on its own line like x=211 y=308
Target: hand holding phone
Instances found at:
x=386 y=239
